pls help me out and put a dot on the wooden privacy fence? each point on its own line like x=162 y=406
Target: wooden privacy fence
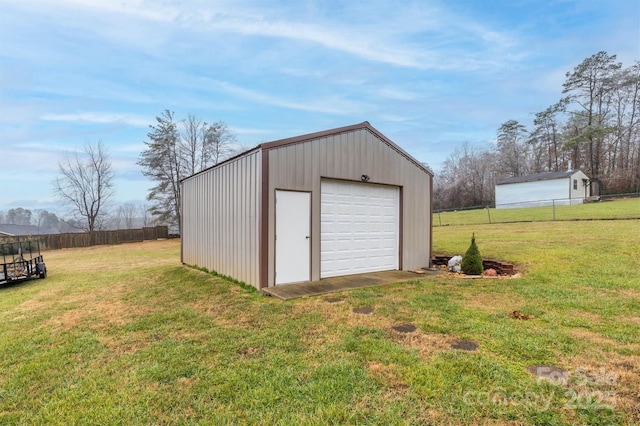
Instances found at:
x=71 y=240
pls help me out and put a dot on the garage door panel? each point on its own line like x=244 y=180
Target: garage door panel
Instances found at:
x=359 y=228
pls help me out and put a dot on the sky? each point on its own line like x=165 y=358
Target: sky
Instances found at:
x=430 y=75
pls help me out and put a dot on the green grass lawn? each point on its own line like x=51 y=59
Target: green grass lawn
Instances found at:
x=617 y=209
x=126 y=335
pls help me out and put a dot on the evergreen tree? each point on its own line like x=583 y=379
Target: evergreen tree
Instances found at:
x=472 y=261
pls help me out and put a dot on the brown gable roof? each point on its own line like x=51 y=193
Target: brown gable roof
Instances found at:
x=332 y=132
x=322 y=134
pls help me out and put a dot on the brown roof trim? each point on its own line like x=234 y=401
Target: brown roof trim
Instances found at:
x=318 y=135
x=399 y=150
x=228 y=160
x=312 y=136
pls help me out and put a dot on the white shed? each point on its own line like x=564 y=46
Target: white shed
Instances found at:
x=338 y=202
x=543 y=189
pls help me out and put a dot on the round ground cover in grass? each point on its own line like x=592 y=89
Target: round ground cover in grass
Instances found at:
x=405 y=328
x=465 y=345
x=549 y=372
x=363 y=310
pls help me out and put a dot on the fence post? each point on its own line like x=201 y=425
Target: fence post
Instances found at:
x=489 y=214
x=553 y=202
x=439 y=219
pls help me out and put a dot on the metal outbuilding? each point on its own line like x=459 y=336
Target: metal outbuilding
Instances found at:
x=332 y=203
x=543 y=189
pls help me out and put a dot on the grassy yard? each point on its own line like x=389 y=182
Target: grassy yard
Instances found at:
x=126 y=335
x=619 y=209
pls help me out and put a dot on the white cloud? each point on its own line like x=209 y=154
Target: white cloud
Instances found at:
x=328 y=104
x=396 y=94
x=249 y=131
x=99 y=117
x=422 y=36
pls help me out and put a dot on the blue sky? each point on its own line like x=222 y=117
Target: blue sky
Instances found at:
x=429 y=74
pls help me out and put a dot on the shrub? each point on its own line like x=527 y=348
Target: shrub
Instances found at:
x=472 y=261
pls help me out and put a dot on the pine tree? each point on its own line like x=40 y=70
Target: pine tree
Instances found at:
x=472 y=261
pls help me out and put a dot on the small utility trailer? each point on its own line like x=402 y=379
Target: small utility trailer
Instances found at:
x=21 y=261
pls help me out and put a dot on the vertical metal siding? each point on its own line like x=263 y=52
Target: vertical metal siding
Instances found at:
x=220 y=209
x=349 y=155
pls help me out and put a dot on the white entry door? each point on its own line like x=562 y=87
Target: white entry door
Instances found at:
x=359 y=228
x=293 y=237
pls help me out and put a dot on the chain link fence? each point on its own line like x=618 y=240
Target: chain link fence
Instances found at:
x=609 y=207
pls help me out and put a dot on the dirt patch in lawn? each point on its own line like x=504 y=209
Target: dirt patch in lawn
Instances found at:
x=67 y=320
x=613 y=380
x=592 y=317
x=249 y=352
x=341 y=314
x=426 y=343
x=596 y=338
x=386 y=374
x=126 y=344
x=317 y=336
x=631 y=293
x=632 y=320
x=492 y=302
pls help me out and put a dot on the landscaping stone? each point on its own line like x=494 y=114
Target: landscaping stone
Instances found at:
x=550 y=372
x=465 y=345
x=405 y=328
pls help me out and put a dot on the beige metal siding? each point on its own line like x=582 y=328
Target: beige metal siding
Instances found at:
x=301 y=166
x=220 y=214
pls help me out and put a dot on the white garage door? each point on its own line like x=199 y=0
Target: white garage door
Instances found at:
x=359 y=228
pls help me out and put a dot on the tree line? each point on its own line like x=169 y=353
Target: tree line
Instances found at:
x=175 y=149
x=125 y=216
x=594 y=126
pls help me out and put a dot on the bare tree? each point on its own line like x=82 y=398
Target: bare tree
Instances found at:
x=219 y=143
x=203 y=144
x=174 y=153
x=86 y=183
x=128 y=214
x=45 y=220
x=145 y=215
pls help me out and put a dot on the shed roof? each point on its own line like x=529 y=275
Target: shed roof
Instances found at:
x=12 y=230
x=538 y=177
x=322 y=134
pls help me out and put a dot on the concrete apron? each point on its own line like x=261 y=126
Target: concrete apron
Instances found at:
x=347 y=282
